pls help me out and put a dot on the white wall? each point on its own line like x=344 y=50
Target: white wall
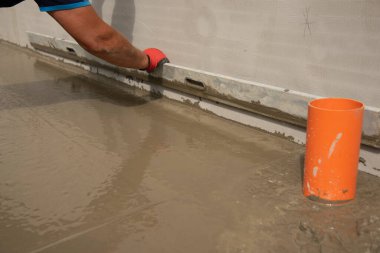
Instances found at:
x=326 y=48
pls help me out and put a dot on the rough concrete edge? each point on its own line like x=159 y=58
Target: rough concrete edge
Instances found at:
x=270 y=101
x=369 y=157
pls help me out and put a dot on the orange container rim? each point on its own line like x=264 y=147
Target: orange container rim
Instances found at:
x=336 y=104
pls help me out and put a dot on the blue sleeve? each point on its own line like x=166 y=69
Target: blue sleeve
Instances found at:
x=55 y=5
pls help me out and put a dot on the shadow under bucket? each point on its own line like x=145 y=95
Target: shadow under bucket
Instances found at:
x=334 y=128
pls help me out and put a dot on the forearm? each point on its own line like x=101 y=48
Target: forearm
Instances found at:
x=99 y=39
x=116 y=49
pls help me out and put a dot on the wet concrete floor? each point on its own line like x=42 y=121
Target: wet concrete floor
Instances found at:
x=90 y=168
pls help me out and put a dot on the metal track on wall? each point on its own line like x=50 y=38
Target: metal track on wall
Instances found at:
x=270 y=101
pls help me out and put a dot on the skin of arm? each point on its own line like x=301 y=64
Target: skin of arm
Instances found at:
x=100 y=39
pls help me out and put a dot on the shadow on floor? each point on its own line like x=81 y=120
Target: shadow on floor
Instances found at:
x=67 y=88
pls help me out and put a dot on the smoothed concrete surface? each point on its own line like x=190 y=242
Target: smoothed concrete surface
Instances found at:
x=228 y=100
x=89 y=168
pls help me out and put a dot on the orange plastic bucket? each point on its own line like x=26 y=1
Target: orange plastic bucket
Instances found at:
x=334 y=128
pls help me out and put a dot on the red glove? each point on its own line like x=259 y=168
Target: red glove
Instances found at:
x=156 y=59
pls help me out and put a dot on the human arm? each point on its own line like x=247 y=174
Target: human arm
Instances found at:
x=101 y=40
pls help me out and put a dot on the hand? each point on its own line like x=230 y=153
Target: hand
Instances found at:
x=156 y=59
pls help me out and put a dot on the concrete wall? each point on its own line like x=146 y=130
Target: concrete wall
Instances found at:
x=326 y=48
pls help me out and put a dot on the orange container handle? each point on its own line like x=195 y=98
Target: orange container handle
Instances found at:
x=334 y=128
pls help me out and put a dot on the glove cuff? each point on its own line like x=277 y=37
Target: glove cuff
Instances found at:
x=156 y=59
